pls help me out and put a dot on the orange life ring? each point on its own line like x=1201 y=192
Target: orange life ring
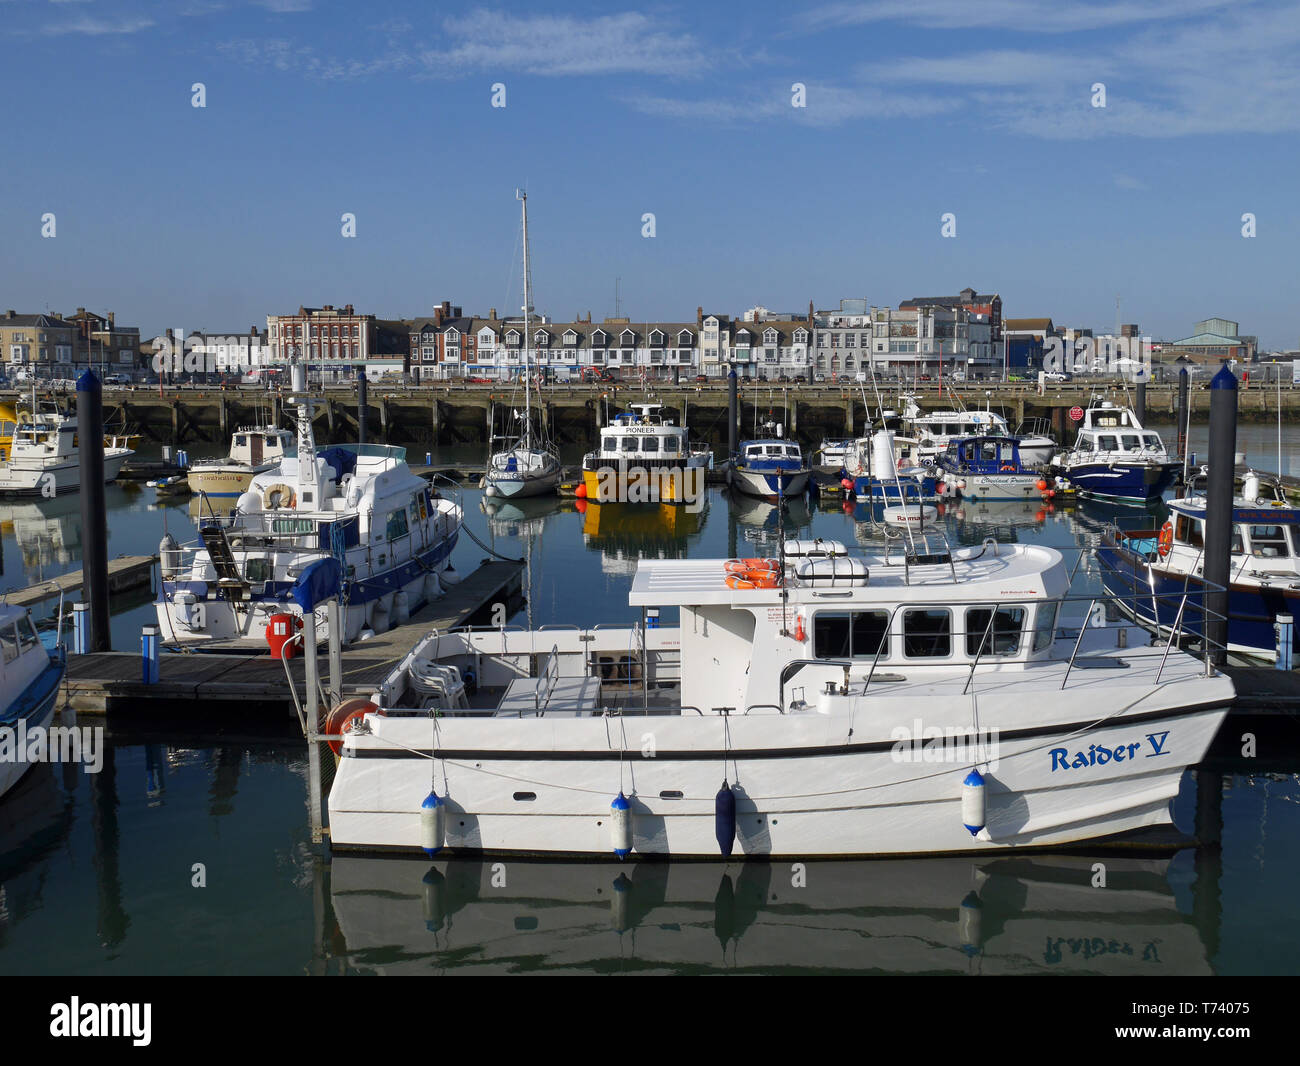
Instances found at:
x=340 y=718
x=1166 y=540
x=742 y=566
x=1008 y=468
x=739 y=581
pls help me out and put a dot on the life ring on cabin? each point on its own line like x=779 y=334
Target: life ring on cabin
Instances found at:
x=279 y=495
x=1165 y=542
x=340 y=719
x=1008 y=468
x=744 y=566
x=753 y=579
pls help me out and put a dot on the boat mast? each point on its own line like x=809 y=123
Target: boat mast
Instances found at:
x=527 y=438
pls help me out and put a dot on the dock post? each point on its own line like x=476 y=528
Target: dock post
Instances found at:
x=1207 y=901
x=1140 y=406
x=1183 y=420
x=1218 y=512
x=80 y=628
x=1284 y=627
x=150 y=638
x=334 y=620
x=733 y=413
x=361 y=405
x=312 y=710
x=94 y=525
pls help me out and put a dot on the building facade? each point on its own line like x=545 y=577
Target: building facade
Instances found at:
x=37 y=344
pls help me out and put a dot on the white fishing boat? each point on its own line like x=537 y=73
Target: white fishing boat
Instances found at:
x=45 y=459
x=770 y=467
x=350 y=522
x=253 y=450
x=30 y=676
x=643 y=457
x=530 y=464
x=882 y=704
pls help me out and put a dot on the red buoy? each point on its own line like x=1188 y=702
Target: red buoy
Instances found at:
x=581 y=491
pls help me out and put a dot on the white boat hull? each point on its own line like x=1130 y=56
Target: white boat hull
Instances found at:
x=840 y=802
x=26 y=478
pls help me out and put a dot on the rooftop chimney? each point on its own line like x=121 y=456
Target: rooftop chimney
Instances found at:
x=446 y=308
x=347 y=309
x=699 y=317
x=111 y=317
x=11 y=314
x=492 y=313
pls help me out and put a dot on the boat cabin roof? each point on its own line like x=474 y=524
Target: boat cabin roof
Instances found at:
x=1022 y=571
x=1106 y=415
x=1245 y=512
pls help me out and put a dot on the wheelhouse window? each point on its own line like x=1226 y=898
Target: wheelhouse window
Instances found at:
x=850 y=634
x=650 y=444
x=1188 y=531
x=397 y=524
x=629 y=444
x=257 y=571
x=927 y=633
x=1268 y=542
x=1045 y=625
x=9 y=642
x=994 y=632
x=609 y=444
x=1107 y=444
x=1132 y=442
x=1151 y=440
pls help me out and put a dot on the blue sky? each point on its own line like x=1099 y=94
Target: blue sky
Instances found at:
x=210 y=218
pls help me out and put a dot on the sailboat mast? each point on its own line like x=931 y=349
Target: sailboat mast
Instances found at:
x=522 y=197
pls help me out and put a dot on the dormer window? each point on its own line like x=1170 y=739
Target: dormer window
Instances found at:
x=769 y=336
x=627 y=338
x=513 y=336
x=801 y=336
x=570 y=338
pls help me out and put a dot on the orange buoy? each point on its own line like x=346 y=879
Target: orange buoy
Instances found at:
x=580 y=506
x=338 y=721
x=799 y=634
x=1042 y=485
x=581 y=491
x=1165 y=543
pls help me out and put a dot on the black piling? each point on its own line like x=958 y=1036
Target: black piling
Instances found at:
x=361 y=405
x=733 y=414
x=1182 y=413
x=1218 y=510
x=94 y=521
x=1140 y=408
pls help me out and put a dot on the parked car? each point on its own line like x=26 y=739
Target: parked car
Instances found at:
x=701 y=379
x=820 y=379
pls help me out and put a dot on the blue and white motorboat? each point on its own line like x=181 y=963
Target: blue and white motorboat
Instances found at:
x=988 y=468
x=770 y=468
x=1115 y=458
x=30 y=675
x=351 y=522
x=1153 y=568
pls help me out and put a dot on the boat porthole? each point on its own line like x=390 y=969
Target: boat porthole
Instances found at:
x=670 y=794
x=600 y=823
x=525 y=796
x=774 y=821
x=462 y=825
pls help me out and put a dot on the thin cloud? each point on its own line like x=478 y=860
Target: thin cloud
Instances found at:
x=1028 y=16
x=98 y=27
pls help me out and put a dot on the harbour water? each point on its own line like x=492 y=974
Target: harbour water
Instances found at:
x=190 y=851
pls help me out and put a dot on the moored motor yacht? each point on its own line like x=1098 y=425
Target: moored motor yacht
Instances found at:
x=30 y=675
x=643 y=457
x=1115 y=458
x=826 y=690
x=349 y=522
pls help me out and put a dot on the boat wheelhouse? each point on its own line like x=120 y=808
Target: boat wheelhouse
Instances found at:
x=884 y=468
x=988 y=468
x=253 y=450
x=826 y=688
x=1264 y=570
x=1115 y=458
x=770 y=467
x=643 y=457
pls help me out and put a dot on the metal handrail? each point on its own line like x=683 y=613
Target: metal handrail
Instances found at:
x=1077 y=641
x=1173 y=635
x=984 y=642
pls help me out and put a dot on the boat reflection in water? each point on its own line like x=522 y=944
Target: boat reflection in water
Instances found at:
x=46 y=531
x=35 y=819
x=1016 y=914
x=520 y=516
x=623 y=533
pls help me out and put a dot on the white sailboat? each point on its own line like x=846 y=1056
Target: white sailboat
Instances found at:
x=529 y=466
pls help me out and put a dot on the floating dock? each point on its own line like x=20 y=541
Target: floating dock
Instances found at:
x=124 y=573
x=104 y=682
